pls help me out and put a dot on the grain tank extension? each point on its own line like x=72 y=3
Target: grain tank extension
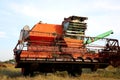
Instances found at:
x=64 y=47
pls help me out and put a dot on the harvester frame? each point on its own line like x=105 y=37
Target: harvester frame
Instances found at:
x=66 y=62
x=58 y=50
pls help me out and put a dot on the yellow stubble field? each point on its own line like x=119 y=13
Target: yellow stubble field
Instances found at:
x=8 y=72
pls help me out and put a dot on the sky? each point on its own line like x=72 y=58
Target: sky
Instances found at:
x=103 y=15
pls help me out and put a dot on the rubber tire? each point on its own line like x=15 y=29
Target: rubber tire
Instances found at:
x=25 y=71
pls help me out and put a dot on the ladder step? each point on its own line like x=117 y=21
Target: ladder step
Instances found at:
x=79 y=23
x=74 y=29
x=74 y=34
x=79 y=27
x=83 y=28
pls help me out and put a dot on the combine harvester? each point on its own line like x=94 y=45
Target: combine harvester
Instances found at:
x=50 y=48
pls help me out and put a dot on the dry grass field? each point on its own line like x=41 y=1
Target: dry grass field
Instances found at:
x=8 y=72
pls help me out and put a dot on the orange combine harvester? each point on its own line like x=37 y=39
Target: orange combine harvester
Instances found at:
x=50 y=47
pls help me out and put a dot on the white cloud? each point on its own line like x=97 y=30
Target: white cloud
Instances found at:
x=33 y=10
x=37 y=12
x=2 y=34
x=106 y=5
x=98 y=10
